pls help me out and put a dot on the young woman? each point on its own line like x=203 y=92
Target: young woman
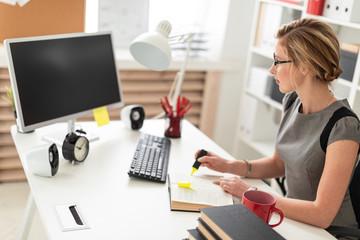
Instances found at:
x=306 y=61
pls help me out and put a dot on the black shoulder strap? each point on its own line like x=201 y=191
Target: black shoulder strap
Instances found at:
x=355 y=182
x=290 y=101
x=338 y=114
x=354 y=189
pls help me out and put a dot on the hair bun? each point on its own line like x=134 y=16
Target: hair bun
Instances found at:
x=328 y=77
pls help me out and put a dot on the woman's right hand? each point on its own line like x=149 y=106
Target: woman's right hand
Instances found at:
x=214 y=162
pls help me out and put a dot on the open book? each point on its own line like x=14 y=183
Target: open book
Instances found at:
x=203 y=193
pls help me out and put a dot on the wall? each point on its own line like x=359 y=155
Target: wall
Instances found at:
x=235 y=47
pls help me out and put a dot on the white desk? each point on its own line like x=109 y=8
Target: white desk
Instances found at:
x=114 y=205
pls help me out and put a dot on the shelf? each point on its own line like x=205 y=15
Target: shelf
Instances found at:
x=265 y=99
x=344 y=82
x=266 y=148
x=284 y=4
x=335 y=21
x=125 y=61
x=267 y=109
x=262 y=52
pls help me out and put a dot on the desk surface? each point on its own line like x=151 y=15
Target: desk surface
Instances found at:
x=116 y=206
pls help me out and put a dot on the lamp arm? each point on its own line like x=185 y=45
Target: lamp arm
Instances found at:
x=172 y=88
x=181 y=73
x=180 y=38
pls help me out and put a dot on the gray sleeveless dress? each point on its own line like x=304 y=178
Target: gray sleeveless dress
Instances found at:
x=298 y=145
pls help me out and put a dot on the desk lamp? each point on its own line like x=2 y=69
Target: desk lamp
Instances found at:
x=152 y=49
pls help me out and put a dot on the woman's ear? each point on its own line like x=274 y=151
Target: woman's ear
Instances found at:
x=304 y=69
x=304 y=73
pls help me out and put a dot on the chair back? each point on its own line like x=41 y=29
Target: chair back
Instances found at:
x=354 y=189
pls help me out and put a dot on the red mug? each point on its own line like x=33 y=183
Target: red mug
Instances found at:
x=262 y=204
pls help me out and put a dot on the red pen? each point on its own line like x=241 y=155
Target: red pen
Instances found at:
x=187 y=101
x=182 y=112
x=164 y=107
x=177 y=105
x=182 y=104
x=169 y=106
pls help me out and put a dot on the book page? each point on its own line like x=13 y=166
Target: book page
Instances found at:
x=203 y=191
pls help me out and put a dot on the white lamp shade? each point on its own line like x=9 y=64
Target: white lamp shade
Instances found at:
x=152 y=50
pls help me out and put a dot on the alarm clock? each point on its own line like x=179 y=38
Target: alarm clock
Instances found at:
x=133 y=116
x=43 y=160
x=75 y=147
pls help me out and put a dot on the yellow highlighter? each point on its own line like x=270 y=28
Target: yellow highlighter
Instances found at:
x=185 y=185
x=197 y=164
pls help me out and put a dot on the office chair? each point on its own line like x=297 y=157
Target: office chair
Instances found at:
x=354 y=189
x=281 y=183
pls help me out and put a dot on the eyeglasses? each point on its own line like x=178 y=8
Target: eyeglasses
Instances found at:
x=276 y=62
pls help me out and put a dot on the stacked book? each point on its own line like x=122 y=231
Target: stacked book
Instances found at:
x=231 y=222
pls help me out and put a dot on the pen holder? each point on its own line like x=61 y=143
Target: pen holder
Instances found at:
x=173 y=126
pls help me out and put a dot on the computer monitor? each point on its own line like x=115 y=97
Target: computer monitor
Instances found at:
x=62 y=77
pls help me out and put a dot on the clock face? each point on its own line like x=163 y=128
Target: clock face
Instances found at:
x=81 y=149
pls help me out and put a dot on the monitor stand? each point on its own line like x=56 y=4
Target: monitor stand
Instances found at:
x=59 y=136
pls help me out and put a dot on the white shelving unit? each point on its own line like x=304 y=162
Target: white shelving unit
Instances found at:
x=259 y=114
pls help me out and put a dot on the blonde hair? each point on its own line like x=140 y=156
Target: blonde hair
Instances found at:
x=312 y=44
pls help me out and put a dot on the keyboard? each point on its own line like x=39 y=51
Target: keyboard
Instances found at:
x=151 y=158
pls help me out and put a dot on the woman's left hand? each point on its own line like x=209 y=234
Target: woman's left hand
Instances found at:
x=233 y=185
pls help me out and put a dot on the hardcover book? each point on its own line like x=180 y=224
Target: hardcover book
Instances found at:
x=194 y=234
x=237 y=222
x=201 y=193
x=206 y=231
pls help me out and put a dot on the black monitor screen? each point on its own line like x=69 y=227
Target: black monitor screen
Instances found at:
x=64 y=77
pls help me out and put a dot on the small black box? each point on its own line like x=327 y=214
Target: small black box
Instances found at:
x=347 y=63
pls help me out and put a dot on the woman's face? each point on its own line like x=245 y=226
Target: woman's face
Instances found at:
x=282 y=71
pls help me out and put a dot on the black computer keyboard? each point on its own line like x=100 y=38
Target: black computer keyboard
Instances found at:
x=151 y=158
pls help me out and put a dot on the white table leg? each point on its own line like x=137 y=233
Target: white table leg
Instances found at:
x=27 y=220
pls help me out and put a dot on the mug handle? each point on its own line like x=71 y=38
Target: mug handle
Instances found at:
x=278 y=211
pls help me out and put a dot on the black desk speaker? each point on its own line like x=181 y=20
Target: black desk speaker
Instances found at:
x=133 y=116
x=43 y=160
